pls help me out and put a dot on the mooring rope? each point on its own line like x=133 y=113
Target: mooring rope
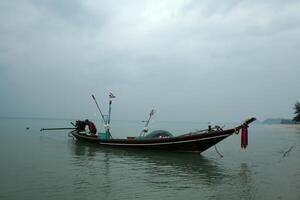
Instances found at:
x=221 y=156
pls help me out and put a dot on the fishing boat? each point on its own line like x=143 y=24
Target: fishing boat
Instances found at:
x=197 y=141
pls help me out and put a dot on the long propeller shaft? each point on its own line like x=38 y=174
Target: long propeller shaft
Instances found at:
x=55 y=129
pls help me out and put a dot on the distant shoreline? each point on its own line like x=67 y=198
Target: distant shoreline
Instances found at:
x=285 y=125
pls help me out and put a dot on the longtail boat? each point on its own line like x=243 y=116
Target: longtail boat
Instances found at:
x=197 y=141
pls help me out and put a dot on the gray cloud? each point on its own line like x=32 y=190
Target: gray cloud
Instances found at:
x=192 y=60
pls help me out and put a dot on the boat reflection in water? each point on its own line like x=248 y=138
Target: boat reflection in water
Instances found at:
x=153 y=168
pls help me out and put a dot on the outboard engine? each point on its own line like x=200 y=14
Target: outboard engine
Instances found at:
x=80 y=125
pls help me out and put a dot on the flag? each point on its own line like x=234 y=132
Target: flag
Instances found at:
x=111 y=95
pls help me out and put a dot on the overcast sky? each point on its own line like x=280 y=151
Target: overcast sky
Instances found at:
x=191 y=60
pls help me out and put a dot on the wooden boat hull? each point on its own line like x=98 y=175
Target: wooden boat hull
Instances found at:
x=194 y=143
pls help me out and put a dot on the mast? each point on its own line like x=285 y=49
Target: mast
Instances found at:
x=145 y=129
x=108 y=117
x=111 y=96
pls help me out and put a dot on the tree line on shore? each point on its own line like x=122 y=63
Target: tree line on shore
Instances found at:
x=297 y=112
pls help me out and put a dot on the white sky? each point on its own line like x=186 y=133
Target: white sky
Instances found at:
x=190 y=60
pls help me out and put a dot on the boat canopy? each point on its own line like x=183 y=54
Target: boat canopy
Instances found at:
x=158 y=134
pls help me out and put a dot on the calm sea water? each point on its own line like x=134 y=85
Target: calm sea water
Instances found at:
x=51 y=165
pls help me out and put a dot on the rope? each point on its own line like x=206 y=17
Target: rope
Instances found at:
x=221 y=156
